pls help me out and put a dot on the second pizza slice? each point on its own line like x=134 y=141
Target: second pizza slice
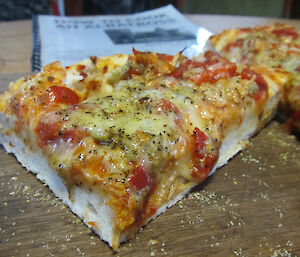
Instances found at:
x=274 y=45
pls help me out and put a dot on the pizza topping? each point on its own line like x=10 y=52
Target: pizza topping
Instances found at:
x=165 y=57
x=50 y=133
x=47 y=132
x=73 y=136
x=287 y=31
x=131 y=72
x=262 y=92
x=80 y=67
x=238 y=43
x=140 y=178
x=214 y=73
x=211 y=70
x=159 y=64
x=202 y=158
x=83 y=74
x=59 y=94
x=167 y=106
x=199 y=139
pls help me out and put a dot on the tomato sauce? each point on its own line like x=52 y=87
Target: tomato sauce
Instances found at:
x=203 y=161
x=238 y=43
x=140 y=178
x=213 y=68
x=286 y=32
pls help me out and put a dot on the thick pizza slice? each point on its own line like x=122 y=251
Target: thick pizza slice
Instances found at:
x=120 y=139
x=275 y=45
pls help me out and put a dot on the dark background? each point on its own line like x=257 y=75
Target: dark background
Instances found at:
x=24 y=9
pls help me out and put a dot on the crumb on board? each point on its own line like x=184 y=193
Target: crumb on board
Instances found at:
x=152 y=242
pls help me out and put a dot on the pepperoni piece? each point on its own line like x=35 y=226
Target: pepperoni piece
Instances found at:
x=58 y=94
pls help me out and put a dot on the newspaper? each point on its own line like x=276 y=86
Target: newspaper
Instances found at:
x=71 y=39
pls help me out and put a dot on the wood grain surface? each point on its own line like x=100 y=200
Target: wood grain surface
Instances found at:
x=15 y=46
x=250 y=207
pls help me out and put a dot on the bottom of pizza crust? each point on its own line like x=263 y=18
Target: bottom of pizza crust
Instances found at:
x=124 y=154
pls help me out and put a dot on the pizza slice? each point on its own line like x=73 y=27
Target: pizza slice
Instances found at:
x=122 y=138
x=275 y=45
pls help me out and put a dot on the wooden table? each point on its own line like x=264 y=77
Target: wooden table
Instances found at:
x=250 y=207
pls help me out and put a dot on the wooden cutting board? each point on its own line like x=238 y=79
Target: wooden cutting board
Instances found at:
x=250 y=207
